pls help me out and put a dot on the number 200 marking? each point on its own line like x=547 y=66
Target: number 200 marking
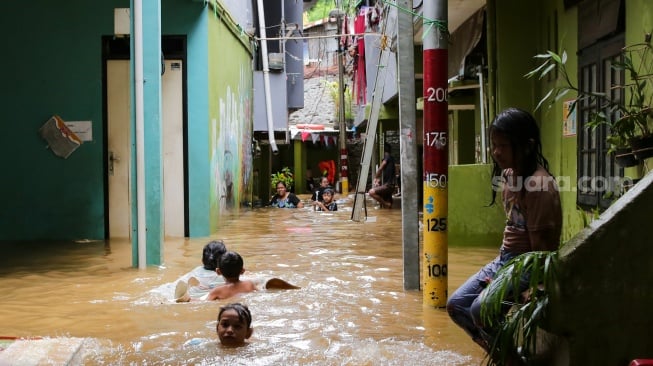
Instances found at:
x=436 y=94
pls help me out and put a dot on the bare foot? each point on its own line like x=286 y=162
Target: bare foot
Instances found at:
x=193 y=282
x=181 y=292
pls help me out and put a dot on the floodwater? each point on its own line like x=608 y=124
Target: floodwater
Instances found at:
x=351 y=308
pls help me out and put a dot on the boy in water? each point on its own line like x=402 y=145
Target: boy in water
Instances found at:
x=230 y=267
x=317 y=195
x=327 y=203
x=234 y=325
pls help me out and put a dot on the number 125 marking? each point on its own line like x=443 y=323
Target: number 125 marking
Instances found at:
x=437 y=224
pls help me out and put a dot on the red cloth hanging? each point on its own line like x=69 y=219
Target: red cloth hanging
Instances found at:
x=360 y=83
x=328 y=169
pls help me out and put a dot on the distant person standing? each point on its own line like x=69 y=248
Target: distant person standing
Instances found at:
x=382 y=189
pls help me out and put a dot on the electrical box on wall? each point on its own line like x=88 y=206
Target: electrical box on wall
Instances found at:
x=121 y=22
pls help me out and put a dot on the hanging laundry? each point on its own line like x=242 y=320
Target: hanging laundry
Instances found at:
x=359 y=78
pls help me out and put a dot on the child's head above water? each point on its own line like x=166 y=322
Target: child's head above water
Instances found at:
x=327 y=195
x=211 y=254
x=234 y=324
x=231 y=265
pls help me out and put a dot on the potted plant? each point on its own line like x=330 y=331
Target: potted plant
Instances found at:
x=630 y=137
x=286 y=176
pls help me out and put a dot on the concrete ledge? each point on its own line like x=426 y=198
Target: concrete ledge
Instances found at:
x=47 y=351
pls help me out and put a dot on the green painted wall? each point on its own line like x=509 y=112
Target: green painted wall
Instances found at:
x=230 y=121
x=515 y=57
x=515 y=48
x=561 y=151
x=54 y=66
x=471 y=221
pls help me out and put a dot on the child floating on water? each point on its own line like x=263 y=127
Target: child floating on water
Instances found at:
x=230 y=267
x=234 y=325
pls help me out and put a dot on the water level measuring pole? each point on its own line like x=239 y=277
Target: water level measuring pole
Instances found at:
x=435 y=165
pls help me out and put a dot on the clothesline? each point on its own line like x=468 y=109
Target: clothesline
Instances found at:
x=322 y=36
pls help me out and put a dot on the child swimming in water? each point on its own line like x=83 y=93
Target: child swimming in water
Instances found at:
x=230 y=267
x=234 y=325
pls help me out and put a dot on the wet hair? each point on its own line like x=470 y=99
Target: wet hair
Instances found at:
x=231 y=264
x=211 y=254
x=244 y=315
x=523 y=133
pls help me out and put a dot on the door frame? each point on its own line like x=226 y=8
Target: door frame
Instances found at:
x=119 y=48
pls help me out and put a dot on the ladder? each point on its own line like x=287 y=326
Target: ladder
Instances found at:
x=390 y=31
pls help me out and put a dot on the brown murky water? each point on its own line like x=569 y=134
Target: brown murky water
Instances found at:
x=351 y=309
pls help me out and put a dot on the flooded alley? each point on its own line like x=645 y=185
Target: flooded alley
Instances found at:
x=351 y=308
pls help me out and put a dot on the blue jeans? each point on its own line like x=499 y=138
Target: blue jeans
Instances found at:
x=464 y=305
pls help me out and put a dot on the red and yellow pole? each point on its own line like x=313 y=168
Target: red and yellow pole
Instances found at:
x=436 y=159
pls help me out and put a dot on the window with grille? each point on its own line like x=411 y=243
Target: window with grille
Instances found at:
x=598 y=175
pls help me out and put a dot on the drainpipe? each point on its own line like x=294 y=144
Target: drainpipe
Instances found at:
x=266 y=76
x=491 y=92
x=140 y=133
x=483 y=125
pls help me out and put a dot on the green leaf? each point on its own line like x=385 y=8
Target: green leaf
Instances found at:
x=561 y=94
x=555 y=57
x=547 y=70
x=544 y=99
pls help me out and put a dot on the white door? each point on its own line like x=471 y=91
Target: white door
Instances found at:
x=173 y=148
x=119 y=148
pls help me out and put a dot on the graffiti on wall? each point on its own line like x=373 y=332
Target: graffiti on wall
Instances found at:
x=230 y=147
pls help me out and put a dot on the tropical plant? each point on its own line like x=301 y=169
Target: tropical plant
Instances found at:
x=322 y=8
x=626 y=120
x=286 y=176
x=334 y=91
x=522 y=285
